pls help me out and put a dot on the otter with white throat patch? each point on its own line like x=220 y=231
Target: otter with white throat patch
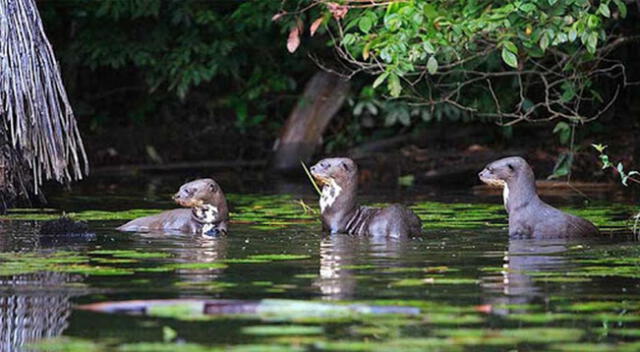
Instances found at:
x=529 y=216
x=208 y=214
x=341 y=213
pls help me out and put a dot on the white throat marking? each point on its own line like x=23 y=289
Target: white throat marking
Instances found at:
x=329 y=195
x=206 y=213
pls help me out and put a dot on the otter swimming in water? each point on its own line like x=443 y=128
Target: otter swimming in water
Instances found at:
x=528 y=214
x=208 y=213
x=341 y=213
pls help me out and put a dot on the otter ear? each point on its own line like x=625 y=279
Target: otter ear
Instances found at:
x=212 y=187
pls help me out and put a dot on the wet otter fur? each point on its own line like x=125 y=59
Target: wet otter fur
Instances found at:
x=208 y=213
x=529 y=216
x=340 y=212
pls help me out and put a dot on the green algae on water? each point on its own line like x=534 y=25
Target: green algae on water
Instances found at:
x=269 y=330
x=275 y=257
x=131 y=254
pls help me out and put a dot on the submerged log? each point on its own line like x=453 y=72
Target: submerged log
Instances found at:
x=302 y=133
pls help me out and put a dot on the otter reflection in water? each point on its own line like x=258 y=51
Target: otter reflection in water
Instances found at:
x=523 y=258
x=339 y=254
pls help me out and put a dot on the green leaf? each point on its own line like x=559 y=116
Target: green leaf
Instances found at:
x=599 y=147
x=168 y=334
x=604 y=10
x=510 y=46
x=428 y=47
x=509 y=58
x=365 y=24
x=573 y=34
x=528 y=7
x=593 y=21
x=544 y=41
x=394 y=85
x=568 y=92
x=432 y=65
x=380 y=79
x=622 y=7
x=592 y=42
x=392 y=22
x=563 y=166
x=564 y=132
x=552 y=2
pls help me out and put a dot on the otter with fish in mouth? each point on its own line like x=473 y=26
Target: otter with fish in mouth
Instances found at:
x=208 y=214
x=528 y=214
x=341 y=213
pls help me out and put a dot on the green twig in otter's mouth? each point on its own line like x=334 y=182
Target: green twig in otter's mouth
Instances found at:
x=313 y=182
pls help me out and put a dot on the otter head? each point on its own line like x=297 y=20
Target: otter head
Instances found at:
x=338 y=177
x=198 y=193
x=504 y=171
x=338 y=170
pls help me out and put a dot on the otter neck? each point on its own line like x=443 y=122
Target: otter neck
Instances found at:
x=208 y=212
x=338 y=202
x=520 y=191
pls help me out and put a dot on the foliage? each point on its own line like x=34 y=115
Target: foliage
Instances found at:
x=161 y=50
x=625 y=177
x=507 y=61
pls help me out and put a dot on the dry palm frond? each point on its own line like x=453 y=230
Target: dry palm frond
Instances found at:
x=38 y=130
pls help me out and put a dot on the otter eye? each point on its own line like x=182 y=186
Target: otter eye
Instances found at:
x=212 y=187
x=490 y=169
x=510 y=167
x=345 y=166
x=323 y=165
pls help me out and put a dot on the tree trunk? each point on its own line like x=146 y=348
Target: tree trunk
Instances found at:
x=302 y=133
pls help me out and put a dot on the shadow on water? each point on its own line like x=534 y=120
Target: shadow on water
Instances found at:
x=469 y=285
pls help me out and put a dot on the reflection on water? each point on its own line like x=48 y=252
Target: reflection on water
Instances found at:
x=340 y=254
x=29 y=314
x=514 y=284
x=191 y=249
x=450 y=271
x=32 y=306
x=335 y=281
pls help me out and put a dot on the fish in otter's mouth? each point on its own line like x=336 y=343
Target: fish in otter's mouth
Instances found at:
x=189 y=203
x=494 y=182
x=321 y=180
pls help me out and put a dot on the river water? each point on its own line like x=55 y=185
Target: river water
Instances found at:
x=276 y=283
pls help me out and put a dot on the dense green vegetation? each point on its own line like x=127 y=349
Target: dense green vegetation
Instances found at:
x=162 y=70
x=504 y=60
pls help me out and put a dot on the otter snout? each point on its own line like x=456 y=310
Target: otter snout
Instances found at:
x=317 y=172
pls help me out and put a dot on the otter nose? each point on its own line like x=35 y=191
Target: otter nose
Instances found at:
x=175 y=196
x=480 y=173
x=313 y=168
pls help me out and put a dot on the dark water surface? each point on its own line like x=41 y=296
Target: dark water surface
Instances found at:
x=466 y=284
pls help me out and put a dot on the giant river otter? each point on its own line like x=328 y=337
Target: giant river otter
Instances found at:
x=208 y=213
x=341 y=213
x=528 y=215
